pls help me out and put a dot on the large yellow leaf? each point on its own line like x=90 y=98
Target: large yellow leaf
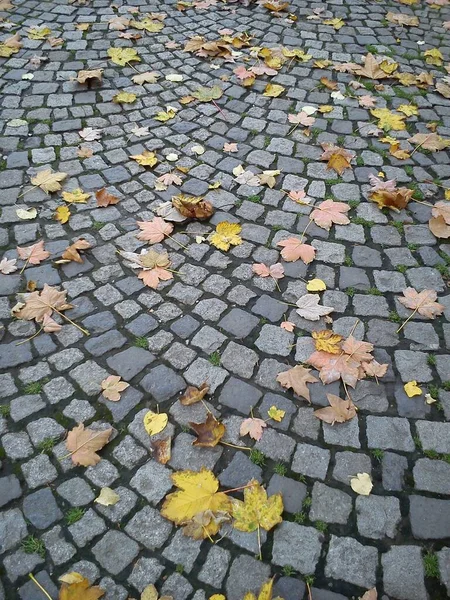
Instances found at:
x=146 y=159
x=36 y=33
x=273 y=90
x=76 y=196
x=62 y=214
x=226 y=234
x=148 y=24
x=257 y=510
x=388 y=120
x=76 y=587
x=433 y=57
x=124 y=98
x=197 y=493
x=123 y=56
x=48 y=181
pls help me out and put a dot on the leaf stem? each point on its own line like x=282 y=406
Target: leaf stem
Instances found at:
x=80 y=446
x=177 y=242
x=219 y=109
x=30 y=338
x=237 y=489
x=36 y=582
x=85 y=331
x=304 y=231
x=259 y=542
x=235 y=446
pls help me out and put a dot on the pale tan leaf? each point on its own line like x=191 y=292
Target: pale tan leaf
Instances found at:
x=83 y=444
x=297 y=378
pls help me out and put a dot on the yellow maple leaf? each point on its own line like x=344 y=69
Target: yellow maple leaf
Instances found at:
x=434 y=57
x=146 y=159
x=198 y=493
x=124 y=98
x=62 y=214
x=316 y=285
x=165 y=115
x=388 y=120
x=257 y=510
x=388 y=67
x=273 y=90
x=123 y=56
x=48 y=181
x=39 y=33
x=148 y=24
x=226 y=235
x=412 y=389
x=336 y=23
x=265 y=593
x=326 y=108
x=76 y=196
x=408 y=109
x=76 y=587
x=276 y=413
x=327 y=341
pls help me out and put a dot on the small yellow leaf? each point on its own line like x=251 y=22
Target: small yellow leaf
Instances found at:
x=336 y=23
x=107 y=497
x=408 y=109
x=412 y=389
x=62 y=214
x=155 y=422
x=273 y=90
x=215 y=185
x=165 y=115
x=326 y=108
x=123 y=56
x=447 y=194
x=76 y=196
x=146 y=159
x=124 y=98
x=276 y=413
x=36 y=33
x=434 y=57
x=316 y=285
x=217 y=597
x=226 y=235
x=361 y=484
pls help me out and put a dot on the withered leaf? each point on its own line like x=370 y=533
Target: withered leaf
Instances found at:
x=208 y=433
x=72 y=252
x=83 y=444
x=193 y=394
x=162 y=449
x=339 y=410
x=104 y=198
x=193 y=207
x=297 y=378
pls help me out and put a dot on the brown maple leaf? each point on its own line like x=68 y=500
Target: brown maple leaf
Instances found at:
x=357 y=350
x=192 y=395
x=152 y=277
x=297 y=378
x=429 y=141
x=422 y=302
x=33 y=254
x=395 y=200
x=374 y=368
x=104 y=198
x=339 y=410
x=253 y=427
x=338 y=158
x=154 y=231
x=39 y=304
x=72 y=252
x=208 y=433
x=193 y=207
x=83 y=444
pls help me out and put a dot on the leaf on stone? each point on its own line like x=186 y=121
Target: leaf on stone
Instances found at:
x=154 y=231
x=287 y=325
x=275 y=271
x=338 y=158
x=192 y=395
x=412 y=389
x=169 y=179
x=205 y=94
x=39 y=304
x=245 y=177
x=112 y=387
x=76 y=587
x=72 y=252
x=297 y=378
x=434 y=57
x=339 y=410
x=439 y=227
x=268 y=177
x=104 y=198
x=230 y=147
x=327 y=341
x=253 y=427
x=8 y=266
x=26 y=214
x=76 y=196
x=395 y=200
x=145 y=159
x=361 y=484
x=370 y=595
x=150 y=593
x=309 y=308
x=423 y=302
x=371 y=68
x=402 y=19
x=33 y=254
x=193 y=207
x=226 y=235
x=49 y=325
x=197 y=493
x=62 y=214
x=359 y=351
x=83 y=76
x=48 y=181
x=375 y=369
x=367 y=101
x=443 y=88
x=273 y=90
x=155 y=422
x=329 y=212
x=333 y=367
x=147 y=77
x=174 y=77
x=119 y=23
x=162 y=450
x=335 y=22
x=10 y=46
x=294 y=249
x=83 y=444
x=257 y=509
x=89 y=134
x=429 y=141
x=276 y=413
x=123 y=56
x=124 y=98
x=316 y=285
x=388 y=120
x=39 y=33
x=208 y=433
x=107 y=497
x=140 y=131
x=205 y=524
x=409 y=110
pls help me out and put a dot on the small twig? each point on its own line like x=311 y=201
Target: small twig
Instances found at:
x=304 y=231
x=309 y=591
x=85 y=331
x=30 y=338
x=259 y=542
x=36 y=582
x=219 y=109
x=235 y=446
x=177 y=242
x=237 y=489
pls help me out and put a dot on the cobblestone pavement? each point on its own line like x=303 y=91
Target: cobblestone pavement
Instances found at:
x=216 y=320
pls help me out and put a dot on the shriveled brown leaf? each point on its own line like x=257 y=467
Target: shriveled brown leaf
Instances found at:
x=395 y=200
x=193 y=207
x=339 y=410
x=83 y=444
x=192 y=395
x=297 y=378
x=72 y=252
x=208 y=433
x=402 y=19
x=205 y=524
x=162 y=450
x=104 y=198
x=423 y=302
